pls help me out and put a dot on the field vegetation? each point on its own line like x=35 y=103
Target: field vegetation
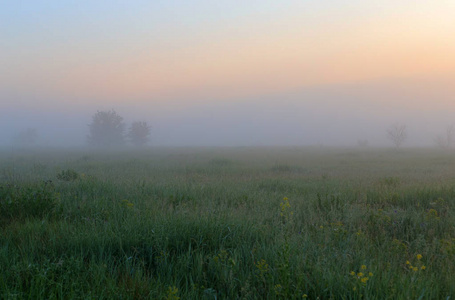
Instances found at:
x=227 y=223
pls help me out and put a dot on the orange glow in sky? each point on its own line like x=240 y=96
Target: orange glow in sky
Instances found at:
x=308 y=46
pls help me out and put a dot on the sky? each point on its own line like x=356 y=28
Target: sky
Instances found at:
x=229 y=72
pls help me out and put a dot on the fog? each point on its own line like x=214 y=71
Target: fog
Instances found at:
x=211 y=73
x=325 y=115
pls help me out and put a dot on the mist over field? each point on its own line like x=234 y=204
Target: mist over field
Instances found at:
x=224 y=74
x=327 y=115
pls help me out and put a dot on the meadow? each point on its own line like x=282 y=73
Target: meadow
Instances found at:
x=227 y=223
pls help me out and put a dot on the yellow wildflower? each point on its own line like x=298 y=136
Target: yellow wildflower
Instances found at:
x=360 y=274
x=278 y=289
x=423 y=267
x=352 y=273
x=370 y=274
x=172 y=293
x=363 y=267
x=407 y=262
x=415 y=269
x=419 y=256
x=364 y=279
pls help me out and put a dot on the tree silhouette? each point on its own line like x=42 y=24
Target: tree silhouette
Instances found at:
x=397 y=134
x=447 y=140
x=139 y=133
x=107 y=129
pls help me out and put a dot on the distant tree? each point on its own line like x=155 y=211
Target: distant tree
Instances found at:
x=107 y=129
x=447 y=140
x=139 y=133
x=26 y=138
x=397 y=134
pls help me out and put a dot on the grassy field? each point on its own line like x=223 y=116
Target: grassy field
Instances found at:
x=227 y=223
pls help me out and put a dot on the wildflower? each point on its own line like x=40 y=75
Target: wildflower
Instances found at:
x=407 y=262
x=285 y=208
x=352 y=273
x=262 y=266
x=304 y=296
x=172 y=293
x=432 y=214
x=360 y=274
x=363 y=267
x=419 y=256
x=423 y=267
x=278 y=288
x=364 y=279
x=370 y=274
x=415 y=269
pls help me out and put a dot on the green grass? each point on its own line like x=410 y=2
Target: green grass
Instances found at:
x=214 y=223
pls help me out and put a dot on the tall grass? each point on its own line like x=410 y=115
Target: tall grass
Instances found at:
x=246 y=223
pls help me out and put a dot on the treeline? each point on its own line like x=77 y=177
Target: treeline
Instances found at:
x=107 y=129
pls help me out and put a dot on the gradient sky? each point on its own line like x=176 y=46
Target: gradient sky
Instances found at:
x=184 y=55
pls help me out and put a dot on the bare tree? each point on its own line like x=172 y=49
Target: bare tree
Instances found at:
x=447 y=140
x=397 y=134
x=139 y=133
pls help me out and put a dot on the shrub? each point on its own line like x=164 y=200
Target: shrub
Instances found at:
x=22 y=202
x=68 y=175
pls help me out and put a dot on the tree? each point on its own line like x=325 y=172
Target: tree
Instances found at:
x=397 y=134
x=139 y=133
x=107 y=129
x=447 y=140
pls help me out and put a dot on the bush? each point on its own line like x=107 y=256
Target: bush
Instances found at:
x=68 y=175
x=23 y=202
